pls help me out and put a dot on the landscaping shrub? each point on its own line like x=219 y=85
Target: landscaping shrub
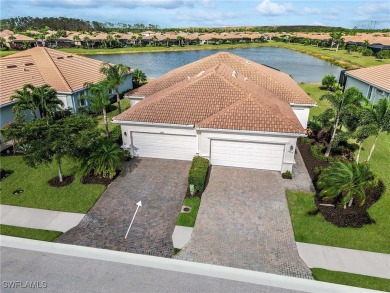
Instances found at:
x=384 y=54
x=367 y=52
x=287 y=175
x=328 y=81
x=116 y=135
x=198 y=173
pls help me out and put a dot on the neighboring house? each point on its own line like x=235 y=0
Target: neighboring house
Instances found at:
x=373 y=82
x=66 y=73
x=223 y=107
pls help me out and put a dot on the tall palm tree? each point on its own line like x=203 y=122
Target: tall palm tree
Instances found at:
x=338 y=101
x=11 y=38
x=86 y=40
x=46 y=99
x=24 y=101
x=98 y=97
x=115 y=76
x=76 y=39
x=2 y=42
x=347 y=180
x=139 y=38
x=105 y=159
x=379 y=117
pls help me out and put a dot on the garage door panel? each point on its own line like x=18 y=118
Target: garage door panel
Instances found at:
x=247 y=154
x=164 y=146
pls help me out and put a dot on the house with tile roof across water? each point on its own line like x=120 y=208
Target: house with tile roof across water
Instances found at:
x=373 y=82
x=66 y=73
x=228 y=109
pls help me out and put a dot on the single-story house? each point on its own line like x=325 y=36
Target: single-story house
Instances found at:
x=373 y=82
x=228 y=109
x=66 y=73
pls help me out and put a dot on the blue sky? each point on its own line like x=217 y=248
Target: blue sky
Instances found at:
x=186 y=13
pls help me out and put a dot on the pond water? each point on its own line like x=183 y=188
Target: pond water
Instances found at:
x=302 y=67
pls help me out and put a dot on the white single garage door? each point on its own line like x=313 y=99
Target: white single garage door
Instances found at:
x=164 y=146
x=253 y=155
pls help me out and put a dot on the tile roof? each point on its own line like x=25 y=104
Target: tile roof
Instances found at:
x=376 y=75
x=16 y=72
x=277 y=82
x=62 y=71
x=216 y=98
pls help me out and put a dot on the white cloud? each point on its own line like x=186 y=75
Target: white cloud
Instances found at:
x=269 y=8
x=206 y=16
x=311 y=10
x=374 y=7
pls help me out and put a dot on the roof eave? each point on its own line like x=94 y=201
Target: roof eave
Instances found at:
x=139 y=123
x=303 y=105
x=252 y=132
x=369 y=83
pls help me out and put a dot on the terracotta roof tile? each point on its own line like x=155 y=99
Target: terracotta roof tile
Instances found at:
x=62 y=71
x=377 y=75
x=217 y=98
x=273 y=80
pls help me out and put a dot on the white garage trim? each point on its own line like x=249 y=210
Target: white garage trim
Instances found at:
x=164 y=146
x=247 y=154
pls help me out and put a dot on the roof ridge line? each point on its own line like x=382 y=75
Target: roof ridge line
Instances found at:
x=58 y=70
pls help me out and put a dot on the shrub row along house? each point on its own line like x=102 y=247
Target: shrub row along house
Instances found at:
x=64 y=72
x=228 y=109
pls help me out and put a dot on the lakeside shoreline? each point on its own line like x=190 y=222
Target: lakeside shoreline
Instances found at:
x=340 y=58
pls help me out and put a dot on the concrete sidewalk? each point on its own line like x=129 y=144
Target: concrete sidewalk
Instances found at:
x=345 y=260
x=38 y=219
x=181 y=236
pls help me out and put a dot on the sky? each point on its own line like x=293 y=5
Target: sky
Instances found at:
x=210 y=13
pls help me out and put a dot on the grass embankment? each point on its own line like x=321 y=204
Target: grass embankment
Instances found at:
x=341 y=58
x=75 y=197
x=315 y=92
x=188 y=219
x=37 y=234
x=314 y=229
x=351 y=279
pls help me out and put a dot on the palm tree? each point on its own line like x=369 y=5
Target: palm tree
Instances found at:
x=11 y=38
x=2 y=42
x=336 y=38
x=98 y=97
x=25 y=100
x=46 y=99
x=86 y=40
x=133 y=38
x=361 y=134
x=366 y=43
x=105 y=159
x=138 y=77
x=379 y=117
x=115 y=76
x=76 y=39
x=338 y=101
x=139 y=38
x=154 y=39
x=348 y=180
x=167 y=41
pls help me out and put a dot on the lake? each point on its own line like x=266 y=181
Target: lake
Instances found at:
x=302 y=67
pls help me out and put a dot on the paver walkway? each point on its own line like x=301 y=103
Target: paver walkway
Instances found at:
x=243 y=222
x=161 y=186
x=38 y=218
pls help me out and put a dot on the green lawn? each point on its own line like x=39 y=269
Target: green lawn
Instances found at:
x=315 y=92
x=351 y=279
x=75 y=197
x=36 y=234
x=189 y=219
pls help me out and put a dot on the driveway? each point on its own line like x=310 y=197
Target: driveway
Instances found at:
x=244 y=222
x=161 y=186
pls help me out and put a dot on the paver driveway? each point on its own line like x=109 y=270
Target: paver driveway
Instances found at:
x=161 y=186
x=243 y=222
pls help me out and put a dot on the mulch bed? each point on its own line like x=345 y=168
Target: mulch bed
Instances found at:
x=55 y=182
x=92 y=179
x=310 y=162
x=355 y=216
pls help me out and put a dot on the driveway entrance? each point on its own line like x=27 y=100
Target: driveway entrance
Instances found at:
x=244 y=222
x=161 y=186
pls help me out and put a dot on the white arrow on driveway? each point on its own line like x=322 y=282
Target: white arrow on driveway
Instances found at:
x=139 y=204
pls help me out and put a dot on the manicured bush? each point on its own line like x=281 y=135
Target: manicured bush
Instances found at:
x=328 y=81
x=287 y=175
x=384 y=54
x=367 y=52
x=198 y=173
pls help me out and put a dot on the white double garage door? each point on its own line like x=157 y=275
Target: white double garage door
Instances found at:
x=232 y=153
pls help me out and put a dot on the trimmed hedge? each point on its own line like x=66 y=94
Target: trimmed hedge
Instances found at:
x=198 y=173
